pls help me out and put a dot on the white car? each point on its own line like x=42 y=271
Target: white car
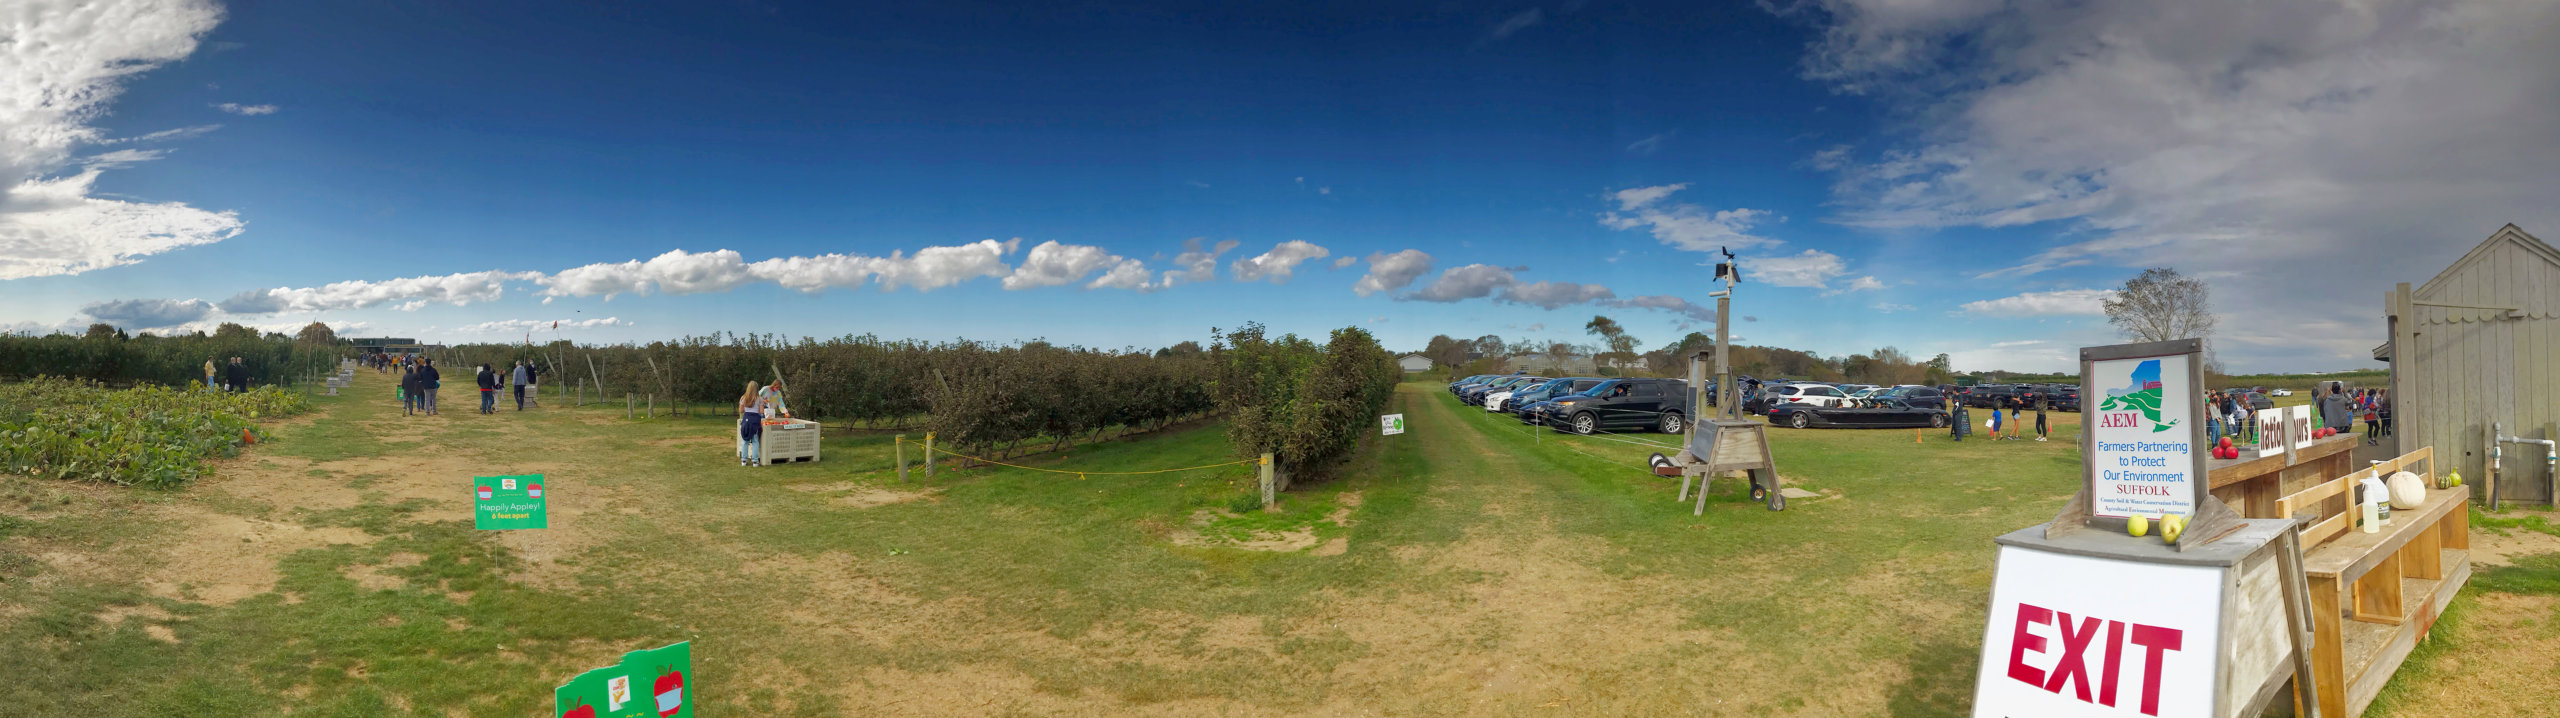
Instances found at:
x=1814 y=394
x=2280 y=392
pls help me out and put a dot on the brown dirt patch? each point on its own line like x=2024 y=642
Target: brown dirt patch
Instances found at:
x=1298 y=539
x=220 y=559
x=157 y=620
x=2490 y=549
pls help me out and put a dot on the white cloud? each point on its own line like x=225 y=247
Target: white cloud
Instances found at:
x=1685 y=226
x=1277 y=263
x=1518 y=21
x=937 y=267
x=164 y=135
x=1391 y=272
x=1345 y=261
x=63 y=62
x=1860 y=284
x=2060 y=303
x=1651 y=144
x=2266 y=136
x=1889 y=307
x=1668 y=303
x=140 y=314
x=675 y=272
x=1128 y=274
x=1812 y=268
x=1553 y=295
x=247 y=110
x=1052 y=264
x=1197 y=265
x=1474 y=281
x=408 y=293
x=520 y=326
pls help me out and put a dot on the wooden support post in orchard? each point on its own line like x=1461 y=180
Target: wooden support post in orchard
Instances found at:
x=1270 y=487
x=630 y=406
x=902 y=458
x=928 y=456
x=653 y=406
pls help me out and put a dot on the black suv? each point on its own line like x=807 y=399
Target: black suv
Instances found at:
x=1657 y=404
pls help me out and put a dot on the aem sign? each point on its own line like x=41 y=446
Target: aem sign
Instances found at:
x=2144 y=443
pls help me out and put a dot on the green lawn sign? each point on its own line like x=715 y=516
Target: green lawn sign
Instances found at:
x=509 y=502
x=648 y=684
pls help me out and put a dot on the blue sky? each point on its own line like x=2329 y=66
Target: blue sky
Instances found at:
x=1891 y=176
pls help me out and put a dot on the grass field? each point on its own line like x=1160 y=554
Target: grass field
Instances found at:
x=1469 y=567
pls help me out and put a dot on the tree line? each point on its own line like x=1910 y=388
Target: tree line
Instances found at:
x=1617 y=353
x=110 y=356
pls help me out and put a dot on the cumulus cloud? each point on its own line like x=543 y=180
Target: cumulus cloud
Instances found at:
x=2060 y=303
x=2264 y=135
x=519 y=326
x=1668 y=303
x=247 y=110
x=1346 y=261
x=1196 y=265
x=1553 y=294
x=1812 y=268
x=1277 y=263
x=1685 y=226
x=1474 y=281
x=675 y=272
x=1391 y=272
x=1128 y=274
x=64 y=62
x=928 y=269
x=406 y=293
x=1052 y=264
x=140 y=314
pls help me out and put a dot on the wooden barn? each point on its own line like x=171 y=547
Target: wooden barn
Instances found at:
x=2479 y=345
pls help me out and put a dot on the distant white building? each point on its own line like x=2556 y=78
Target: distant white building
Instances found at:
x=1414 y=363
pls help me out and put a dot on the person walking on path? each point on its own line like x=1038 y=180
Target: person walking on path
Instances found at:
x=2372 y=408
x=409 y=396
x=1995 y=422
x=429 y=379
x=750 y=427
x=488 y=390
x=532 y=385
x=2043 y=430
x=523 y=376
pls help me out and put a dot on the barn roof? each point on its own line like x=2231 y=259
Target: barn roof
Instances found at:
x=2509 y=234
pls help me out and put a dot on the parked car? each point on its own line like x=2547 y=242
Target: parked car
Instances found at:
x=1657 y=404
x=1471 y=384
x=1808 y=393
x=1909 y=396
x=2256 y=401
x=1477 y=394
x=1528 y=404
x=1989 y=396
x=2280 y=392
x=1508 y=399
x=1804 y=416
x=1453 y=386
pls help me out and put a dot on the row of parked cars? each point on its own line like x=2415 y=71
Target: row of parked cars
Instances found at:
x=1584 y=404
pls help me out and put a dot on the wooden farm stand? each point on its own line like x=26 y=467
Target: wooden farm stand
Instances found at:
x=2373 y=596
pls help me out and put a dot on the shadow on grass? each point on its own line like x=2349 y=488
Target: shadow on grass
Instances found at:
x=1941 y=682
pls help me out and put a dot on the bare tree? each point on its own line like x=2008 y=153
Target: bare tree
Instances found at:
x=2159 y=305
x=1621 y=346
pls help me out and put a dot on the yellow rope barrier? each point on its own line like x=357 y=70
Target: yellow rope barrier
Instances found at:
x=1079 y=474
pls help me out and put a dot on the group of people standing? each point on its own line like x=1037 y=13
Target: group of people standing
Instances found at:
x=232 y=377
x=418 y=382
x=522 y=378
x=1961 y=417
x=2341 y=407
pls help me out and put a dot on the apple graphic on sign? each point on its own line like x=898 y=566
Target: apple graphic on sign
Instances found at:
x=533 y=490
x=670 y=690
x=582 y=711
x=487 y=493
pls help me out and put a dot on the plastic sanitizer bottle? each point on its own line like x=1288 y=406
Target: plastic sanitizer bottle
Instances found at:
x=2375 y=507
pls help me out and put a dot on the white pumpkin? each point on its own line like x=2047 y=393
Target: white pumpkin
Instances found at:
x=2407 y=492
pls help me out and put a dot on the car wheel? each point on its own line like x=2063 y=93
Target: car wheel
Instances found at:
x=1671 y=423
x=1585 y=423
x=1800 y=419
x=1937 y=421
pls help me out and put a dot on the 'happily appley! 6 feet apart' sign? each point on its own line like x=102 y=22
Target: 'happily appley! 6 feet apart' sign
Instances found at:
x=509 y=502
